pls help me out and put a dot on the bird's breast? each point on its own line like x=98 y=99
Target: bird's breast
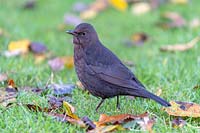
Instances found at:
x=79 y=62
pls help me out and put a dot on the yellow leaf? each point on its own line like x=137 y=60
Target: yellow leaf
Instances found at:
x=106 y=129
x=68 y=61
x=119 y=4
x=21 y=45
x=183 y=109
x=69 y=109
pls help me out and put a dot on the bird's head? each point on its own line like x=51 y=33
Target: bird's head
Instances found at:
x=83 y=34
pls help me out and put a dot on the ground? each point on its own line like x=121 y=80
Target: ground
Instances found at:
x=176 y=73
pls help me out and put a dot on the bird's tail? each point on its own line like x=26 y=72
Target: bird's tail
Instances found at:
x=144 y=93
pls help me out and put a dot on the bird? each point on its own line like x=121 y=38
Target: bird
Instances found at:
x=101 y=72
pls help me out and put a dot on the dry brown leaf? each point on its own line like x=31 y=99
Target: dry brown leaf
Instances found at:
x=183 y=109
x=106 y=129
x=172 y=20
x=119 y=4
x=139 y=38
x=21 y=45
x=178 y=122
x=103 y=119
x=181 y=47
x=94 y=9
x=3 y=77
x=140 y=8
x=79 y=85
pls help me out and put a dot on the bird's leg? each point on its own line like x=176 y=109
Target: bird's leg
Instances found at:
x=102 y=100
x=118 y=104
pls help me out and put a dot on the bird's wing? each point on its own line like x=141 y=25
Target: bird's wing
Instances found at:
x=117 y=75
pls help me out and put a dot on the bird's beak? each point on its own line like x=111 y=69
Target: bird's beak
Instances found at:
x=70 y=32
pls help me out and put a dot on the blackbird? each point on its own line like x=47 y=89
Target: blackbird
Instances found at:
x=101 y=72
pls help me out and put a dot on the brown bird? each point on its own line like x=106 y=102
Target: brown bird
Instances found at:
x=101 y=72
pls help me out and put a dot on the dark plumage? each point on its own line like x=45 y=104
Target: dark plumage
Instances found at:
x=101 y=72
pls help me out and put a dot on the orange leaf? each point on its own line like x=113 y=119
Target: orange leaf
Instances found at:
x=183 y=109
x=118 y=118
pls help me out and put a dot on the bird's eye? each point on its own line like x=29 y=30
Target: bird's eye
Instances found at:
x=82 y=33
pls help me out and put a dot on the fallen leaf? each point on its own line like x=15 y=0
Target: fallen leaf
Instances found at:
x=56 y=64
x=61 y=89
x=119 y=4
x=3 y=77
x=140 y=8
x=179 y=1
x=39 y=58
x=146 y=123
x=38 y=48
x=194 y=23
x=178 y=122
x=90 y=124
x=106 y=129
x=79 y=7
x=21 y=45
x=29 y=4
x=9 y=54
x=56 y=102
x=7 y=95
x=143 y=120
x=65 y=118
x=69 y=109
x=70 y=19
x=35 y=90
x=68 y=61
x=181 y=47
x=139 y=38
x=172 y=20
x=183 y=109
x=94 y=9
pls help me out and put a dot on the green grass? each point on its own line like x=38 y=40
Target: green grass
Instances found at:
x=176 y=78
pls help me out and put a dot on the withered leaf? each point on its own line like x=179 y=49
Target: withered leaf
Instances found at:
x=79 y=7
x=38 y=47
x=178 y=122
x=70 y=19
x=29 y=4
x=181 y=47
x=62 y=89
x=56 y=64
x=65 y=118
x=3 y=77
x=183 y=109
x=94 y=9
x=172 y=20
x=106 y=129
x=90 y=125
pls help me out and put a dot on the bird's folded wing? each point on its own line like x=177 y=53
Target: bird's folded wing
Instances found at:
x=117 y=75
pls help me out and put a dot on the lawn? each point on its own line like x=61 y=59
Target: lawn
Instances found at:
x=175 y=73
